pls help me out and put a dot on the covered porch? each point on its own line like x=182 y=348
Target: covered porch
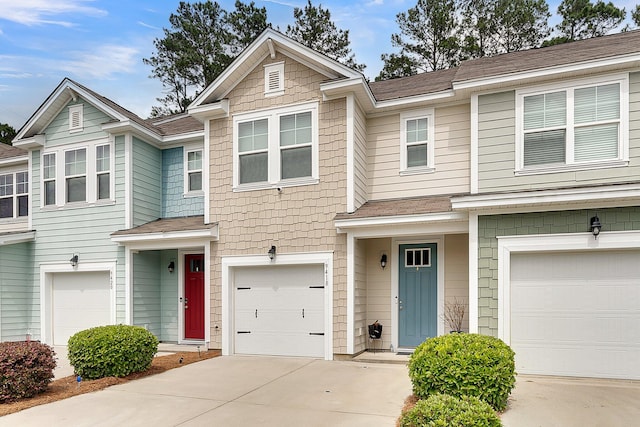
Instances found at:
x=167 y=283
x=407 y=261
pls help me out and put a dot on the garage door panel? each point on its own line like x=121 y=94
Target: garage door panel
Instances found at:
x=570 y=318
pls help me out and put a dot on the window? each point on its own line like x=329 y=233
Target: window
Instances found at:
x=14 y=195
x=274 y=79
x=572 y=126
x=75 y=169
x=103 y=172
x=194 y=170
x=420 y=257
x=417 y=142
x=75 y=118
x=276 y=148
x=49 y=178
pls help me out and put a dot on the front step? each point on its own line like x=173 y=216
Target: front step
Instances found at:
x=382 y=357
x=167 y=347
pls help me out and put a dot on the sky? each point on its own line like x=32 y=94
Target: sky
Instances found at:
x=101 y=44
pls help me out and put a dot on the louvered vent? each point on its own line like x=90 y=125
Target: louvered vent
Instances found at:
x=75 y=118
x=274 y=79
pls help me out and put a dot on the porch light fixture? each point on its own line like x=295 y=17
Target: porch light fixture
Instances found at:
x=74 y=261
x=383 y=261
x=272 y=253
x=596 y=226
x=171 y=267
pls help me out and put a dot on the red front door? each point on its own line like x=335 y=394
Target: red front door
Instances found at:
x=194 y=297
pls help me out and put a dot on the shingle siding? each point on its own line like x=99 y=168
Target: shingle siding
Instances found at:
x=174 y=203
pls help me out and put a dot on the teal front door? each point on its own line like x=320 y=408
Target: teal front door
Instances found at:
x=418 y=294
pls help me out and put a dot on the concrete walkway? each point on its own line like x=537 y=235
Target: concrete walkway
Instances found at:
x=539 y=401
x=239 y=391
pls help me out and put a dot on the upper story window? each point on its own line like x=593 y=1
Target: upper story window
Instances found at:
x=276 y=147
x=572 y=127
x=14 y=195
x=274 y=79
x=417 y=142
x=76 y=119
x=77 y=175
x=194 y=171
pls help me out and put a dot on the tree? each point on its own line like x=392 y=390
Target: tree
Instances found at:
x=635 y=15
x=428 y=37
x=582 y=19
x=477 y=16
x=397 y=65
x=314 y=28
x=7 y=133
x=201 y=43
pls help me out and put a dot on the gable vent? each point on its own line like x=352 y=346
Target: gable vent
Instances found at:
x=75 y=118
x=274 y=79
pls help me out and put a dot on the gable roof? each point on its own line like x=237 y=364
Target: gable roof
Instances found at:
x=9 y=152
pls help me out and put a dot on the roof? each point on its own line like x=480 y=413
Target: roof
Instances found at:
x=399 y=207
x=7 y=152
x=177 y=124
x=420 y=84
x=167 y=225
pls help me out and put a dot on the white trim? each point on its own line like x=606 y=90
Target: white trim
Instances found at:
x=473 y=273
x=206 y=162
x=277 y=67
x=216 y=110
x=395 y=285
x=229 y=263
x=46 y=291
x=15 y=160
x=426 y=113
x=351 y=285
x=351 y=202
x=167 y=240
x=14 y=238
x=474 y=144
x=569 y=195
x=186 y=150
x=546 y=243
x=79 y=110
x=348 y=224
x=31 y=200
x=128 y=181
x=128 y=286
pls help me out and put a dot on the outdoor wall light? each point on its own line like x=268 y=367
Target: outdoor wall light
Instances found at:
x=74 y=260
x=272 y=253
x=383 y=261
x=171 y=267
x=596 y=226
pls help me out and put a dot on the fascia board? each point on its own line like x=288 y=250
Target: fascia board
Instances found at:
x=345 y=224
x=207 y=234
x=12 y=239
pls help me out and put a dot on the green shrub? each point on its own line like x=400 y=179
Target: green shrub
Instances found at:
x=26 y=368
x=441 y=410
x=464 y=364
x=111 y=351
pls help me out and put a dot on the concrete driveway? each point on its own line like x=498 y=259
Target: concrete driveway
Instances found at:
x=239 y=391
x=540 y=401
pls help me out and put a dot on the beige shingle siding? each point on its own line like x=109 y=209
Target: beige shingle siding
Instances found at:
x=452 y=157
x=298 y=220
x=360 y=156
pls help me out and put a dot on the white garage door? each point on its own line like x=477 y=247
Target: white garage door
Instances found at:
x=279 y=310
x=576 y=313
x=80 y=301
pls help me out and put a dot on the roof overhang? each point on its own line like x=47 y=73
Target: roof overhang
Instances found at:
x=405 y=225
x=33 y=142
x=167 y=240
x=17 y=237
x=624 y=194
x=216 y=110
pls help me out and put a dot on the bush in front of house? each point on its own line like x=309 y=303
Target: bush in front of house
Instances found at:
x=111 y=351
x=442 y=410
x=26 y=368
x=464 y=365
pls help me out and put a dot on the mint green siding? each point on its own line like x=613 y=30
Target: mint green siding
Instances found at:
x=146 y=183
x=155 y=293
x=19 y=304
x=497 y=149
x=614 y=219
x=57 y=132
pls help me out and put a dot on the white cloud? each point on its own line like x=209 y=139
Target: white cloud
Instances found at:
x=375 y=3
x=101 y=62
x=39 y=12
x=143 y=24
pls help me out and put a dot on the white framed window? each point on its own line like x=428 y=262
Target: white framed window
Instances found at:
x=193 y=171
x=274 y=79
x=276 y=147
x=569 y=127
x=103 y=172
x=78 y=175
x=417 y=147
x=14 y=195
x=417 y=257
x=49 y=179
x=76 y=118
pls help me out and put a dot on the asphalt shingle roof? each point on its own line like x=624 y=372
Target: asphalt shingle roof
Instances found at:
x=167 y=225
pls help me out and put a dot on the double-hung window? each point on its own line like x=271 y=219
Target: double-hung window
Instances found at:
x=573 y=127
x=276 y=147
x=14 y=195
x=417 y=142
x=103 y=172
x=194 y=171
x=49 y=178
x=75 y=174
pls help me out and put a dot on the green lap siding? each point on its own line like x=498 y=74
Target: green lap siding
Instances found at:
x=613 y=219
x=19 y=305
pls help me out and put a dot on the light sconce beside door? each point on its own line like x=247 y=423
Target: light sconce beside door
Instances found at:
x=74 y=261
x=171 y=267
x=596 y=226
x=383 y=261
x=272 y=253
